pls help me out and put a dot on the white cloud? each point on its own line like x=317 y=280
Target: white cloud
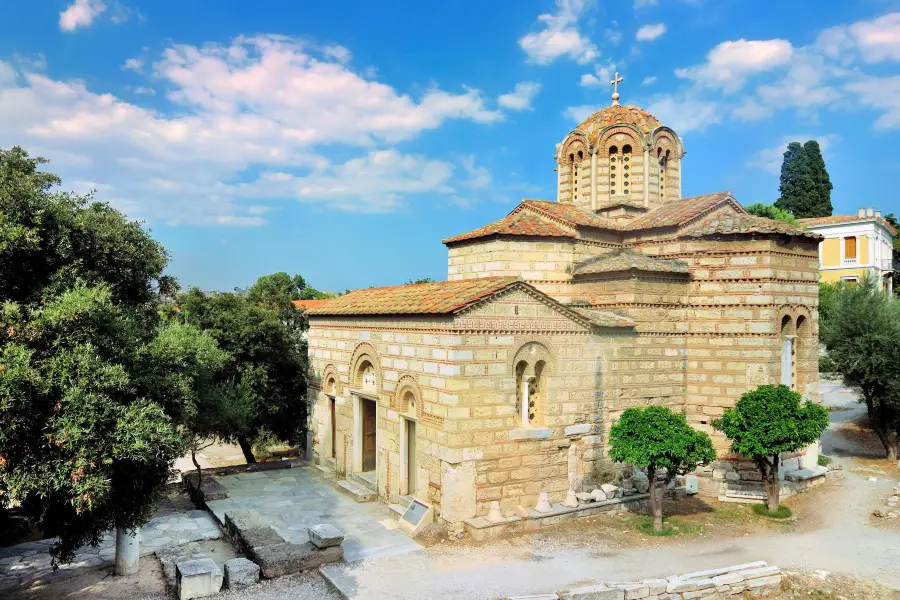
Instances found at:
x=560 y=36
x=521 y=97
x=670 y=110
x=479 y=177
x=264 y=104
x=881 y=93
x=649 y=80
x=770 y=159
x=133 y=64
x=603 y=73
x=639 y=4
x=729 y=64
x=648 y=33
x=577 y=114
x=590 y=80
x=805 y=85
x=751 y=110
x=146 y=91
x=81 y=13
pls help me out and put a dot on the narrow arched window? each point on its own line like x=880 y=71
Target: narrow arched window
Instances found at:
x=626 y=167
x=663 y=158
x=614 y=187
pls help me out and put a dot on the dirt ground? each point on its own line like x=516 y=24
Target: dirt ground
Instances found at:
x=830 y=586
x=102 y=584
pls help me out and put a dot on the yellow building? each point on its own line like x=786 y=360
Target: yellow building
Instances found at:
x=855 y=245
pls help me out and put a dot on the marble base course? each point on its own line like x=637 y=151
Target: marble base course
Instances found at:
x=757 y=578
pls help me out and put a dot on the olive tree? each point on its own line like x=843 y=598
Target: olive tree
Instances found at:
x=86 y=444
x=661 y=442
x=768 y=421
x=862 y=336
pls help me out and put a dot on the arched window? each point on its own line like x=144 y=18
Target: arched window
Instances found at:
x=368 y=377
x=788 y=352
x=626 y=167
x=531 y=387
x=663 y=158
x=614 y=187
x=800 y=351
x=575 y=160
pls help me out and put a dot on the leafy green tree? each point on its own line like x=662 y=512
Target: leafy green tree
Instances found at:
x=659 y=441
x=264 y=374
x=768 y=421
x=770 y=211
x=277 y=288
x=829 y=294
x=85 y=443
x=805 y=185
x=421 y=280
x=862 y=337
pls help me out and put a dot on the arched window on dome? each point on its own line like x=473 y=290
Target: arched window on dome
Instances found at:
x=614 y=187
x=626 y=167
x=663 y=157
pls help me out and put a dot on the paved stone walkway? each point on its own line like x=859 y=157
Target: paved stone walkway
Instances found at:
x=291 y=500
x=29 y=563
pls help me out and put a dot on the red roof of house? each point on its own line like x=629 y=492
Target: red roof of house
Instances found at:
x=837 y=219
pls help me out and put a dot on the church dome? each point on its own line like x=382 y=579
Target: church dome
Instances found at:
x=619 y=114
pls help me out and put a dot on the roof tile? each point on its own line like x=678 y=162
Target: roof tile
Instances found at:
x=678 y=212
x=440 y=297
x=627 y=259
x=515 y=224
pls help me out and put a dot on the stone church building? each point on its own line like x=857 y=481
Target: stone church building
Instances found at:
x=502 y=382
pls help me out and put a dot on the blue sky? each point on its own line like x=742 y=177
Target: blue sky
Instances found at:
x=344 y=141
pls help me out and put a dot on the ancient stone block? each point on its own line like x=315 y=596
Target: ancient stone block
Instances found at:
x=325 y=536
x=287 y=559
x=197 y=578
x=240 y=573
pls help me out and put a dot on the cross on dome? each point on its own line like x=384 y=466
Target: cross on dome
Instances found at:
x=615 y=83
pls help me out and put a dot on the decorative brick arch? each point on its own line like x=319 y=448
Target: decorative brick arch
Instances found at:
x=328 y=375
x=399 y=401
x=667 y=139
x=632 y=137
x=364 y=352
x=545 y=349
x=573 y=142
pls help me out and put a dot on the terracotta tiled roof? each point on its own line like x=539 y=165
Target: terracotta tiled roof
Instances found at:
x=745 y=223
x=680 y=211
x=567 y=212
x=603 y=318
x=436 y=298
x=627 y=259
x=613 y=115
x=448 y=297
x=515 y=224
x=837 y=219
x=526 y=220
x=308 y=304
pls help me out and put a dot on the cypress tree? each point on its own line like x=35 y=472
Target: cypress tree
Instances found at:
x=805 y=186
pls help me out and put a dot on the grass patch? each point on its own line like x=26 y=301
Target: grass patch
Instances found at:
x=762 y=510
x=824 y=461
x=671 y=527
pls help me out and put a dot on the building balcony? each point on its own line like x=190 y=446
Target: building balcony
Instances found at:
x=849 y=262
x=888 y=264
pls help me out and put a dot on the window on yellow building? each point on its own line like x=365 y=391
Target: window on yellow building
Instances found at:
x=849 y=247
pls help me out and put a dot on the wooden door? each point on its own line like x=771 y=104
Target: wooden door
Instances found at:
x=368 y=435
x=411 y=457
x=333 y=429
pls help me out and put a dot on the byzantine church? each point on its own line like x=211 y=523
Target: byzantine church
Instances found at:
x=502 y=381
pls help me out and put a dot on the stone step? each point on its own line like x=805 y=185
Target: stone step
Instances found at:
x=404 y=501
x=356 y=491
x=325 y=471
x=397 y=509
x=367 y=479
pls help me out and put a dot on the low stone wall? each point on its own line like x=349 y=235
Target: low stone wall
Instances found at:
x=757 y=578
x=275 y=556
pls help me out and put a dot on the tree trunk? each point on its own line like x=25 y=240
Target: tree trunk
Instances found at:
x=127 y=552
x=772 y=494
x=247 y=449
x=878 y=421
x=199 y=471
x=655 y=501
